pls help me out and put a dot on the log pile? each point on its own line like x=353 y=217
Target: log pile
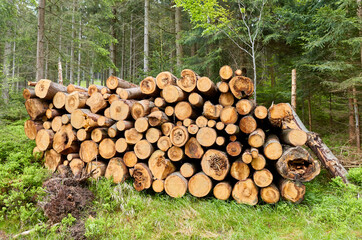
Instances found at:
x=173 y=134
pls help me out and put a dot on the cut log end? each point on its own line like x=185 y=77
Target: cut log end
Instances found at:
x=175 y=185
x=199 y=185
x=222 y=190
x=246 y=192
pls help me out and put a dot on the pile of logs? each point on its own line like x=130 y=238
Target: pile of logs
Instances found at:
x=173 y=134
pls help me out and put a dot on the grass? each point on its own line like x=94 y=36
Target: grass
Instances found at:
x=330 y=210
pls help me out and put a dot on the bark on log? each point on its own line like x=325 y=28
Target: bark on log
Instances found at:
x=72 y=88
x=46 y=89
x=98 y=134
x=115 y=82
x=96 y=169
x=52 y=113
x=142 y=177
x=223 y=87
x=199 y=185
x=28 y=93
x=184 y=110
x=117 y=170
x=88 y=151
x=258 y=163
x=121 y=109
x=215 y=164
x=31 y=128
x=241 y=87
x=188 y=80
x=123 y=125
x=164 y=79
x=141 y=109
x=257 y=138
x=294 y=137
x=272 y=148
x=222 y=190
x=157 y=118
x=246 y=156
x=160 y=102
x=83 y=135
x=245 y=106
x=103 y=121
x=175 y=185
x=131 y=93
x=232 y=129
x=96 y=102
x=193 y=149
x=239 y=170
x=113 y=131
x=246 y=192
x=36 y=107
x=93 y=89
x=206 y=86
x=196 y=100
x=75 y=101
x=160 y=166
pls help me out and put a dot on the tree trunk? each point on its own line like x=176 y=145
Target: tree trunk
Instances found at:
x=294 y=90
x=79 y=50
x=31 y=128
x=356 y=115
x=46 y=89
x=96 y=102
x=222 y=190
x=160 y=166
x=40 y=41
x=215 y=164
x=146 y=40
x=36 y=107
x=175 y=185
x=6 y=71
x=179 y=49
x=292 y=191
x=239 y=170
x=107 y=148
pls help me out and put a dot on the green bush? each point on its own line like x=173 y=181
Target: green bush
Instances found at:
x=355 y=176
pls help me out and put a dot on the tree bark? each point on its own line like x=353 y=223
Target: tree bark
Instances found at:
x=40 y=41
x=294 y=90
x=146 y=40
x=179 y=48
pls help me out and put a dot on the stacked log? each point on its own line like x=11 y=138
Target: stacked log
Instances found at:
x=171 y=134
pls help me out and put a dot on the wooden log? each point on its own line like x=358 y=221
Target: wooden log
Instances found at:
x=46 y=89
x=175 y=185
x=142 y=177
x=263 y=177
x=199 y=185
x=257 y=138
x=59 y=100
x=294 y=137
x=164 y=143
x=226 y=99
x=141 y=109
x=158 y=185
x=157 y=118
x=292 y=191
x=103 y=121
x=153 y=134
x=93 y=89
x=97 y=169
x=241 y=86
x=272 y=148
x=196 y=100
x=28 y=93
x=220 y=126
x=270 y=194
x=220 y=141
x=201 y=121
x=211 y=111
x=72 y=156
x=188 y=80
x=206 y=86
x=254 y=152
x=76 y=166
x=36 y=107
x=74 y=101
x=247 y=124
x=96 y=102
x=188 y=169
x=223 y=87
x=160 y=166
x=113 y=131
x=141 y=124
x=114 y=82
x=66 y=118
x=121 y=145
x=239 y=170
x=193 y=129
x=279 y=114
x=57 y=123
x=132 y=136
x=107 y=148
x=117 y=170
x=258 y=163
x=193 y=149
x=31 y=128
x=32 y=84
x=44 y=139
x=179 y=136
x=98 y=134
x=170 y=111
x=121 y=109
x=211 y=123
x=105 y=90
x=187 y=122
x=47 y=125
x=149 y=86
x=260 y=112
x=113 y=97
x=175 y=153
x=64 y=140
x=52 y=113
x=72 y=88
x=52 y=160
x=160 y=102
x=173 y=94
x=131 y=93
x=245 y=106
x=130 y=158
x=88 y=151
x=232 y=129
x=297 y=164
x=246 y=192
x=183 y=110
x=222 y=190
x=215 y=164
x=206 y=136
x=164 y=79
x=246 y=156
x=123 y=125
x=234 y=148
x=226 y=73
x=143 y=149
x=238 y=72
x=166 y=128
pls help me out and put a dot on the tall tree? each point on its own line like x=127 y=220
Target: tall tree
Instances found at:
x=40 y=41
x=179 y=49
x=146 y=37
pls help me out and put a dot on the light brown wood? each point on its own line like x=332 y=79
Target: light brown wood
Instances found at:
x=292 y=191
x=220 y=126
x=175 y=153
x=169 y=111
x=232 y=129
x=105 y=90
x=193 y=129
x=132 y=136
x=66 y=118
x=175 y=185
x=160 y=102
x=158 y=185
x=183 y=110
x=270 y=194
x=36 y=107
x=201 y=121
x=47 y=125
x=245 y=106
x=222 y=190
x=115 y=82
x=131 y=93
x=188 y=80
x=141 y=108
x=226 y=73
x=160 y=166
x=64 y=140
x=211 y=123
x=278 y=113
x=206 y=136
x=220 y=141
x=121 y=109
x=164 y=143
x=173 y=94
x=93 y=89
x=238 y=72
x=254 y=152
x=113 y=131
x=52 y=113
x=294 y=137
x=263 y=178
x=199 y=185
x=247 y=124
x=206 y=86
x=234 y=148
x=272 y=148
x=143 y=149
x=164 y=79
x=31 y=128
x=76 y=166
x=72 y=88
x=130 y=158
x=239 y=170
x=223 y=87
x=211 y=111
x=142 y=177
x=196 y=100
x=52 y=160
x=44 y=139
x=107 y=112
x=246 y=192
x=193 y=149
x=28 y=93
x=257 y=138
x=56 y=123
x=187 y=169
x=246 y=156
x=117 y=170
x=153 y=134
x=59 y=100
x=149 y=86
x=260 y=112
x=258 y=163
x=123 y=125
x=187 y=122
x=241 y=86
x=215 y=164
x=72 y=156
x=157 y=118
x=96 y=169
x=226 y=99
x=84 y=118
x=141 y=124
x=47 y=89
x=88 y=151
x=103 y=121
x=107 y=148
x=74 y=101
x=121 y=145
x=179 y=136
x=98 y=134
x=166 y=128
x=113 y=97
x=96 y=102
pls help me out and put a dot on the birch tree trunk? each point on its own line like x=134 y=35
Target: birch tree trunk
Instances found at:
x=40 y=41
x=294 y=89
x=146 y=43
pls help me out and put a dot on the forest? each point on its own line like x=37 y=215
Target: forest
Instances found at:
x=318 y=43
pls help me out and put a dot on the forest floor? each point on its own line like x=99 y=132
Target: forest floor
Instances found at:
x=331 y=210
